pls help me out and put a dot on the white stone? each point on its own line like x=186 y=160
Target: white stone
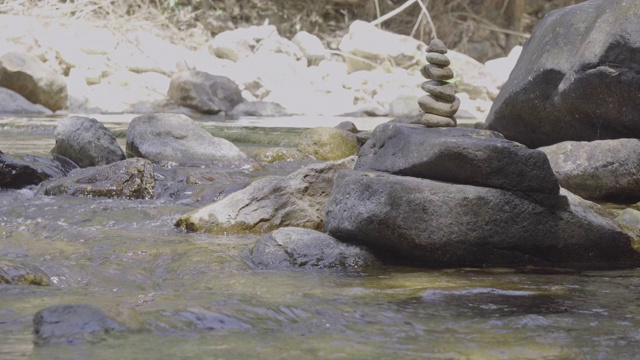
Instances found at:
x=311 y=47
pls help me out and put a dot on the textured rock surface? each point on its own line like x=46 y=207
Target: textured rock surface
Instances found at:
x=272 y=202
x=177 y=138
x=576 y=79
x=457 y=155
x=27 y=75
x=86 y=142
x=72 y=324
x=444 y=225
x=206 y=93
x=298 y=248
x=131 y=178
x=605 y=170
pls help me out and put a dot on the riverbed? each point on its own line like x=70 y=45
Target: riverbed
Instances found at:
x=195 y=296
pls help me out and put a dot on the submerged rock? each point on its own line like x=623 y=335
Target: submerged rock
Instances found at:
x=164 y=138
x=297 y=248
x=72 y=324
x=20 y=172
x=259 y=108
x=86 y=142
x=272 y=202
x=605 y=170
x=20 y=273
x=449 y=225
x=131 y=179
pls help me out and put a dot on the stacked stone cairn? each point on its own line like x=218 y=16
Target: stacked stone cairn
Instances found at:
x=441 y=103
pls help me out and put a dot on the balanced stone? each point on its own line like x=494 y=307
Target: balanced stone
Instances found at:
x=432 y=105
x=437 y=46
x=438 y=59
x=435 y=72
x=440 y=89
x=432 y=120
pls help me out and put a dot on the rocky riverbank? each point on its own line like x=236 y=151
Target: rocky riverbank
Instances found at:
x=90 y=67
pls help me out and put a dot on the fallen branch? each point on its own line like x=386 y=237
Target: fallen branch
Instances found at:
x=393 y=13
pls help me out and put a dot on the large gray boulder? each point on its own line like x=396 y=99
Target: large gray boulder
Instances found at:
x=445 y=225
x=176 y=138
x=457 y=155
x=130 y=179
x=206 y=93
x=576 y=79
x=298 y=248
x=86 y=142
x=604 y=170
x=27 y=75
x=269 y=203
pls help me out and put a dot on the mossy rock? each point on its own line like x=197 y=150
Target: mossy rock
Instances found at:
x=325 y=143
x=17 y=273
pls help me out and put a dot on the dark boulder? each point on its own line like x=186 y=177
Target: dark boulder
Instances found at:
x=72 y=324
x=131 y=179
x=298 y=248
x=457 y=155
x=441 y=224
x=577 y=78
x=206 y=93
x=86 y=142
x=17 y=172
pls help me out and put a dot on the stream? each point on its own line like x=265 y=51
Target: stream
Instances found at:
x=194 y=296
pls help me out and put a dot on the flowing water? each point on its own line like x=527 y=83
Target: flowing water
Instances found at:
x=194 y=296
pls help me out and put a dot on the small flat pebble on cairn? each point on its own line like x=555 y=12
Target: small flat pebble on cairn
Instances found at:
x=441 y=103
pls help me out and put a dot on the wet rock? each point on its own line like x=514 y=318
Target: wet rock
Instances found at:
x=457 y=155
x=576 y=79
x=297 y=248
x=206 y=93
x=272 y=155
x=442 y=224
x=377 y=46
x=324 y=143
x=23 y=171
x=270 y=203
x=20 y=273
x=197 y=186
x=176 y=138
x=259 y=108
x=72 y=324
x=86 y=142
x=604 y=170
x=13 y=103
x=27 y=76
x=131 y=179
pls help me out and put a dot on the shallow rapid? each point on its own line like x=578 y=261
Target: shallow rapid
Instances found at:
x=195 y=296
